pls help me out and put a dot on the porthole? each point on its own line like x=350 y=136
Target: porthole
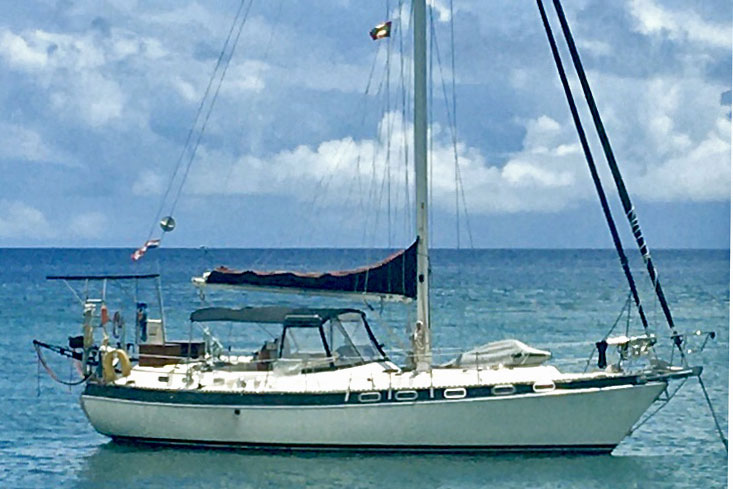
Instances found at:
x=455 y=393
x=405 y=395
x=503 y=390
x=543 y=386
x=370 y=397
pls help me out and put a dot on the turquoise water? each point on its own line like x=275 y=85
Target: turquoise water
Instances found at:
x=563 y=300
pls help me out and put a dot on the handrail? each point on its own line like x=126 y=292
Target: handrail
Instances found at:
x=102 y=277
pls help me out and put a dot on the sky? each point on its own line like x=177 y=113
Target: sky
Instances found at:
x=305 y=145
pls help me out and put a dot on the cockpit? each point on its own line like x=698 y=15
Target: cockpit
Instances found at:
x=310 y=339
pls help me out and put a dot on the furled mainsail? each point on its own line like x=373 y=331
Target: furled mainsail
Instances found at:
x=393 y=277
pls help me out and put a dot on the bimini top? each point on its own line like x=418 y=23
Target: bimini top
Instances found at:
x=267 y=314
x=394 y=278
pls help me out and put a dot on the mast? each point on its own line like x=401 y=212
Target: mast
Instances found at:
x=421 y=334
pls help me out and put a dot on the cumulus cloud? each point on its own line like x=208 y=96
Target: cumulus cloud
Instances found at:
x=246 y=76
x=78 y=61
x=548 y=174
x=19 y=220
x=540 y=178
x=441 y=9
x=112 y=94
x=655 y=19
x=699 y=173
x=672 y=137
x=19 y=54
x=74 y=68
x=21 y=143
x=88 y=225
x=148 y=182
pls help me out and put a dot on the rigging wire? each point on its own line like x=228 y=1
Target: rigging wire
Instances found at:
x=618 y=180
x=613 y=326
x=376 y=188
x=211 y=105
x=374 y=194
x=405 y=146
x=387 y=327
x=592 y=166
x=452 y=124
x=723 y=439
x=377 y=194
x=388 y=170
x=179 y=161
x=459 y=178
x=721 y=433
x=256 y=101
x=659 y=408
x=321 y=187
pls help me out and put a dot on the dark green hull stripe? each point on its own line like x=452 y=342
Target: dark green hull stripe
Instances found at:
x=198 y=397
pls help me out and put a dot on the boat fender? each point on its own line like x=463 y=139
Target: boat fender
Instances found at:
x=108 y=368
x=104 y=315
x=602 y=347
x=117 y=324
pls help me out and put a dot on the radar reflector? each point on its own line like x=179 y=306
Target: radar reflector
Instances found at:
x=167 y=224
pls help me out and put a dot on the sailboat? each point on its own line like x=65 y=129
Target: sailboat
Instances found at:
x=325 y=382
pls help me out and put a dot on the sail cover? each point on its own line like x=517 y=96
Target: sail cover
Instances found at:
x=394 y=277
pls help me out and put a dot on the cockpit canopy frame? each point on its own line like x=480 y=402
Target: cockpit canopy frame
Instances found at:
x=340 y=337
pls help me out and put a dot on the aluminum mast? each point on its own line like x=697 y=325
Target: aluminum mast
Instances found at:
x=421 y=334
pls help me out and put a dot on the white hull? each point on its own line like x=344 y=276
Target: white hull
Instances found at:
x=591 y=419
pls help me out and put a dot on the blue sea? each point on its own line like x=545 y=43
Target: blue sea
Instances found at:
x=561 y=300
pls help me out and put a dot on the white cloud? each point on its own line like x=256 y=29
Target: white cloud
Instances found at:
x=72 y=69
x=246 y=76
x=88 y=225
x=596 y=47
x=19 y=54
x=20 y=143
x=317 y=73
x=441 y=9
x=148 y=183
x=19 y=220
x=671 y=136
x=540 y=178
x=135 y=78
x=678 y=25
x=549 y=173
x=95 y=98
x=186 y=16
x=702 y=172
x=185 y=89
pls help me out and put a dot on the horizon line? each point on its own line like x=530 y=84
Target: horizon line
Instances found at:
x=356 y=248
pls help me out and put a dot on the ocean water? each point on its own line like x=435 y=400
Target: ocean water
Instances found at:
x=562 y=300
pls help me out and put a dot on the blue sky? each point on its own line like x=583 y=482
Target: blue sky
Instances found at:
x=97 y=99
